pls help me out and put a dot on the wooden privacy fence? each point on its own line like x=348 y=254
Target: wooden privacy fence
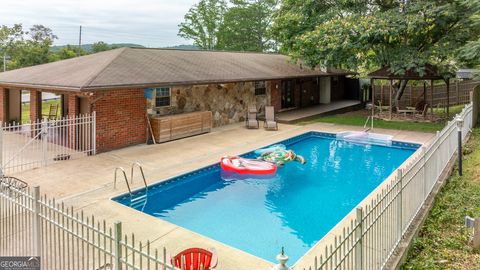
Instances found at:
x=34 y=225
x=367 y=238
x=40 y=143
x=459 y=94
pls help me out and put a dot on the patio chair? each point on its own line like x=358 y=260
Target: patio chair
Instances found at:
x=423 y=113
x=196 y=259
x=270 y=119
x=52 y=112
x=251 y=119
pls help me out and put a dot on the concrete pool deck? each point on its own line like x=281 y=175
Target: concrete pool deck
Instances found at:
x=87 y=183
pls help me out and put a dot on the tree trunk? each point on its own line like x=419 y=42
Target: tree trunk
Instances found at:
x=399 y=89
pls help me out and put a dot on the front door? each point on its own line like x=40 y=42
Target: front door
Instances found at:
x=288 y=94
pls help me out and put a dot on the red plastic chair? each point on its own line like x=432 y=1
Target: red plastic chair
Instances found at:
x=194 y=257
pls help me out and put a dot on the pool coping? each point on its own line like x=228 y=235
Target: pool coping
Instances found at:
x=296 y=138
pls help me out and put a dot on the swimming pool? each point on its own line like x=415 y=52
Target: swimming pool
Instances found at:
x=293 y=209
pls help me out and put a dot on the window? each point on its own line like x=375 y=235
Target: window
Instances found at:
x=260 y=88
x=162 y=97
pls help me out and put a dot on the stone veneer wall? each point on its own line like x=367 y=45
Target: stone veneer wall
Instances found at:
x=228 y=102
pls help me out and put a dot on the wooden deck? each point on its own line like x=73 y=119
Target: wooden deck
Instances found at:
x=302 y=114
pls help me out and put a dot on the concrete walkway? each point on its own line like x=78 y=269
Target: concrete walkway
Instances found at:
x=302 y=114
x=87 y=183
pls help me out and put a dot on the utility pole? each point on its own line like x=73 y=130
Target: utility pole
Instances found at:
x=5 y=59
x=79 y=41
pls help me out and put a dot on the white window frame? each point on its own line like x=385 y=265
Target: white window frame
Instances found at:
x=169 y=96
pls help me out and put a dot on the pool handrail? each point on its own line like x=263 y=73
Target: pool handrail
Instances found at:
x=137 y=163
x=124 y=177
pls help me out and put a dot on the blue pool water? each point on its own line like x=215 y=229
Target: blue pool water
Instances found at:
x=294 y=209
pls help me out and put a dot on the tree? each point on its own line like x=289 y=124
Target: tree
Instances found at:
x=368 y=34
x=10 y=38
x=202 y=23
x=35 y=50
x=67 y=52
x=246 y=24
x=100 y=47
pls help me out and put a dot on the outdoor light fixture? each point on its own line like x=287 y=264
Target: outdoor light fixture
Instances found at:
x=460 y=123
x=469 y=222
x=459 y=120
x=282 y=259
x=474 y=224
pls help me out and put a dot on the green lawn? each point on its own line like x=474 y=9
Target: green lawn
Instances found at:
x=453 y=110
x=443 y=240
x=359 y=120
x=45 y=109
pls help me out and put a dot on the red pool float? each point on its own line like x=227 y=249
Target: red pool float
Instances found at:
x=247 y=166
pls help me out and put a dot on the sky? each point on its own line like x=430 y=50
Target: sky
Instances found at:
x=152 y=23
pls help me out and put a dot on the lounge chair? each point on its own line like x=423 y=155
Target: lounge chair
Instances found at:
x=195 y=259
x=251 y=119
x=270 y=119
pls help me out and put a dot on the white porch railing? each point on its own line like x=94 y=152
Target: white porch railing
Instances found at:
x=368 y=236
x=37 y=144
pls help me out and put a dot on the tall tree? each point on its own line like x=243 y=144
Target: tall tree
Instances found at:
x=246 y=25
x=10 y=38
x=202 y=23
x=368 y=34
x=100 y=47
x=33 y=50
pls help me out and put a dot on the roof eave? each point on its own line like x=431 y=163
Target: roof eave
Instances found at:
x=148 y=85
x=40 y=86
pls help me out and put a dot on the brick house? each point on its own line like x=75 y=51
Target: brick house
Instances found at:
x=125 y=84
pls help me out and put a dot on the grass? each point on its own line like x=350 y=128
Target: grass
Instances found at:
x=358 y=118
x=443 y=240
x=45 y=108
x=453 y=110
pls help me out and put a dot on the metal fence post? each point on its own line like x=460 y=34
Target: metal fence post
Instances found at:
x=37 y=222
x=118 y=248
x=359 y=237
x=44 y=138
x=94 y=132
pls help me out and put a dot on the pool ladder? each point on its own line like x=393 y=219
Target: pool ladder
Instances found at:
x=135 y=164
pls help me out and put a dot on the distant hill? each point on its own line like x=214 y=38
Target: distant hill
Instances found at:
x=88 y=47
x=183 y=47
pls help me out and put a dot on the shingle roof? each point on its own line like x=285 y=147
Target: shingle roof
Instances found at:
x=138 y=68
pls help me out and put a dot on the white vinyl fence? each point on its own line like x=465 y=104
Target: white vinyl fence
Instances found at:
x=33 y=225
x=37 y=144
x=368 y=240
